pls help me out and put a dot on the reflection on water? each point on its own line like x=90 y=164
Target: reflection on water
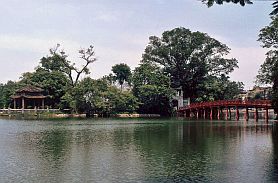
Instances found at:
x=149 y=150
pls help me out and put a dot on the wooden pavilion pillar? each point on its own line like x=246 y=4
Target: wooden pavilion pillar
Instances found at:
x=34 y=104
x=14 y=103
x=43 y=103
x=23 y=102
x=204 y=113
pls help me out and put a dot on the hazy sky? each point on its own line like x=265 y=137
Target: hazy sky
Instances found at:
x=120 y=29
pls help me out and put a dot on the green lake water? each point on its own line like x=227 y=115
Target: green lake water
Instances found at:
x=138 y=150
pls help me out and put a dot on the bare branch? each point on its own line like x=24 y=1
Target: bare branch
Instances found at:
x=87 y=55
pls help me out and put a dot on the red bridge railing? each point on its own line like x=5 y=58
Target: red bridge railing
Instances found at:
x=229 y=103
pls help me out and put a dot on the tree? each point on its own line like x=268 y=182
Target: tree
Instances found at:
x=210 y=3
x=189 y=58
x=6 y=91
x=219 y=88
x=122 y=73
x=2 y=97
x=152 y=88
x=54 y=83
x=98 y=97
x=57 y=61
x=268 y=73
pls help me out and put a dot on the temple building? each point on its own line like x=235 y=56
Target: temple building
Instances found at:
x=29 y=97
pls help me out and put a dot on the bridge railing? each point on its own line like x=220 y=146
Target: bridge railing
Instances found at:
x=229 y=103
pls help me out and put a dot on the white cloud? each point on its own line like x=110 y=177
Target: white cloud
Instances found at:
x=31 y=44
x=106 y=16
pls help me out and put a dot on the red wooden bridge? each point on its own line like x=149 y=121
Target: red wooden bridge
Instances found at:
x=215 y=108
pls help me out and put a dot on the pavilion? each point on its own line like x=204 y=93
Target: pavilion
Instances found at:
x=29 y=97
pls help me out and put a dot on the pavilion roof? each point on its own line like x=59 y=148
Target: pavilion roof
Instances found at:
x=30 y=88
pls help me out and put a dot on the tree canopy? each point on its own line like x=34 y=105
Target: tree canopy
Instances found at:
x=98 y=97
x=153 y=89
x=268 y=73
x=189 y=58
x=122 y=73
x=57 y=61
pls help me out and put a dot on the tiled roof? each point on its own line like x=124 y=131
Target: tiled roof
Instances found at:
x=29 y=88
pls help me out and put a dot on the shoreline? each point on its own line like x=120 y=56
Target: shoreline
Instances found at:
x=57 y=114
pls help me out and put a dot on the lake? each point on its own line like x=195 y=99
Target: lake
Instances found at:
x=138 y=150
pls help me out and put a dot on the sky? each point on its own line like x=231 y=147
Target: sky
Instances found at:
x=119 y=31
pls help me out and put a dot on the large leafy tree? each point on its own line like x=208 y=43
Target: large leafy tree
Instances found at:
x=152 y=88
x=189 y=58
x=122 y=73
x=268 y=73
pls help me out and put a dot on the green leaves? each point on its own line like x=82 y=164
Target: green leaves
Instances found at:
x=97 y=96
x=122 y=73
x=188 y=58
x=6 y=91
x=57 y=61
x=268 y=73
x=218 y=88
x=269 y=35
x=152 y=88
x=53 y=82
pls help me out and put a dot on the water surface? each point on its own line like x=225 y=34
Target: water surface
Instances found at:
x=138 y=150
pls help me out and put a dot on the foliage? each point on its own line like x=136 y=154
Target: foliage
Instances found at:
x=55 y=74
x=57 y=61
x=210 y=3
x=269 y=68
x=54 y=83
x=181 y=58
x=110 y=79
x=221 y=88
x=122 y=73
x=189 y=58
x=6 y=91
x=268 y=73
x=152 y=88
x=2 y=98
x=98 y=97
x=268 y=35
x=121 y=102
